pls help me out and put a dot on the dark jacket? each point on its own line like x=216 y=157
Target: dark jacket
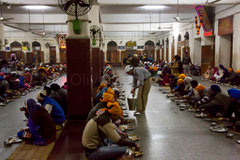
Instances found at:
x=221 y=100
x=59 y=100
x=47 y=129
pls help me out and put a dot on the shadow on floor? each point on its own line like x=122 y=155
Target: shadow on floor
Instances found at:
x=69 y=145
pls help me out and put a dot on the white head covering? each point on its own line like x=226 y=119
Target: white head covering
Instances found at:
x=128 y=68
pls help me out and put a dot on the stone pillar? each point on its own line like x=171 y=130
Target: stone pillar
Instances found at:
x=58 y=60
x=79 y=74
x=236 y=41
x=96 y=54
x=2 y=36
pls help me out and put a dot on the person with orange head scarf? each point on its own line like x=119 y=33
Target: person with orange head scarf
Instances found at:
x=180 y=87
x=102 y=104
x=93 y=141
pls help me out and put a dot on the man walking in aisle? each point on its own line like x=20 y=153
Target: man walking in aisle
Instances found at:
x=142 y=81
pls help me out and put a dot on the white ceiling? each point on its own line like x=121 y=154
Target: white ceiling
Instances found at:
x=119 y=17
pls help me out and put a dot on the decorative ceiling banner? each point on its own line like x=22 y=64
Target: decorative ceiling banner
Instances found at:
x=204 y=14
x=225 y=26
x=62 y=40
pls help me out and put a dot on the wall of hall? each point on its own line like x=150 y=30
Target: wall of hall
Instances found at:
x=182 y=28
x=24 y=36
x=121 y=41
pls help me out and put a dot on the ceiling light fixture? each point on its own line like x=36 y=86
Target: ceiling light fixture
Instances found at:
x=153 y=7
x=36 y=7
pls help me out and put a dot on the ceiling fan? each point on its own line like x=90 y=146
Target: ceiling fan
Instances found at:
x=160 y=17
x=207 y=3
x=177 y=18
x=2 y=18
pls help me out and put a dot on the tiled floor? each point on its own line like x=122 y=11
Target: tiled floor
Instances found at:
x=11 y=120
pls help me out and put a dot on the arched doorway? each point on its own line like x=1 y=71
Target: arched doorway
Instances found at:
x=179 y=45
x=112 y=53
x=52 y=55
x=38 y=55
x=149 y=49
x=16 y=48
x=167 y=50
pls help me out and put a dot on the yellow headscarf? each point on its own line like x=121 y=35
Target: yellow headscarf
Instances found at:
x=102 y=85
x=180 y=81
x=182 y=76
x=110 y=91
x=107 y=97
x=200 y=88
x=113 y=108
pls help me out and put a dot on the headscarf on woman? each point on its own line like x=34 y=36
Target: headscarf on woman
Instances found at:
x=32 y=106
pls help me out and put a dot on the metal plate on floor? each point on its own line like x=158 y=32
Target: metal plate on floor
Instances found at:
x=134 y=137
x=218 y=129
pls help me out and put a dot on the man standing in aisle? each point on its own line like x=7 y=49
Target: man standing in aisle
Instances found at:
x=186 y=64
x=142 y=81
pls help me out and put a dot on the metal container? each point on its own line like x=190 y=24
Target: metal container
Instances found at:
x=132 y=103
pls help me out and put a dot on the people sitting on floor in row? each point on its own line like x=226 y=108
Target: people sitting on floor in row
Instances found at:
x=102 y=138
x=211 y=102
x=22 y=79
x=222 y=75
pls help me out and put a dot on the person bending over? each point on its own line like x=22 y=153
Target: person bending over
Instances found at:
x=100 y=138
x=142 y=81
x=41 y=127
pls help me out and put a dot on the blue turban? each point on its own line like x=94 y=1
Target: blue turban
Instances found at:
x=215 y=88
x=234 y=93
x=1 y=78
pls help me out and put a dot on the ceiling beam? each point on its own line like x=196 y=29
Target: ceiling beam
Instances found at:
x=37 y=2
x=161 y=2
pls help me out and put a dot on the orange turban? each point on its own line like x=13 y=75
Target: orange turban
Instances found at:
x=238 y=71
x=180 y=81
x=150 y=68
x=155 y=69
x=110 y=91
x=230 y=69
x=114 y=108
x=102 y=85
x=107 y=97
x=200 y=88
x=181 y=76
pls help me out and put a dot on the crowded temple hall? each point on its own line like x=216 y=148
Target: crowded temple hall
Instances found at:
x=119 y=80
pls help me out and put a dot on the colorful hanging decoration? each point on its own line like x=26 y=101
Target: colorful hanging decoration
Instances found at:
x=198 y=26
